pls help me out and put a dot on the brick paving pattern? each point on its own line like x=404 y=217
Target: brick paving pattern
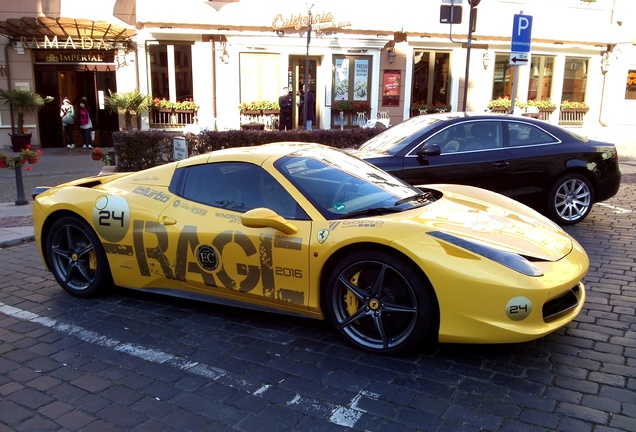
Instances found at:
x=144 y=362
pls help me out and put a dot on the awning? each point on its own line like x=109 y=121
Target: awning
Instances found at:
x=40 y=27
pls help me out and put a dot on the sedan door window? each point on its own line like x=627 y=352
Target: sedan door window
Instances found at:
x=524 y=134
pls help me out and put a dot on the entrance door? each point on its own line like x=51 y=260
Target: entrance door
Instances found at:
x=61 y=81
x=431 y=78
x=297 y=72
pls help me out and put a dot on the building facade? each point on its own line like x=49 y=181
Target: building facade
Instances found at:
x=374 y=57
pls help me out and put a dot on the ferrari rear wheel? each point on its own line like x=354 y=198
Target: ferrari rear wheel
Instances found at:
x=76 y=257
x=379 y=302
x=570 y=199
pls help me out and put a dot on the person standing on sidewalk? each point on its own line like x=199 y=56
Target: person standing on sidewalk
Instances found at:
x=67 y=112
x=85 y=124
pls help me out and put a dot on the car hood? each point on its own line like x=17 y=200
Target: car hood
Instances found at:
x=493 y=220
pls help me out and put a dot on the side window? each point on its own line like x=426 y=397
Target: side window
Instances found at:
x=451 y=139
x=238 y=187
x=484 y=135
x=523 y=134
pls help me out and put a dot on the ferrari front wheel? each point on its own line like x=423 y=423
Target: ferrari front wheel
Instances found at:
x=76 y=257
x=380 y=302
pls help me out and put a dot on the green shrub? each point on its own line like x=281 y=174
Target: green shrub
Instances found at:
x=136 y=150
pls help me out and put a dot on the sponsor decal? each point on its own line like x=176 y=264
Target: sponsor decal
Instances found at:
x=207 y=258
x=231 y=218
x=151 y=193
x=190 y=208
x=358 y=223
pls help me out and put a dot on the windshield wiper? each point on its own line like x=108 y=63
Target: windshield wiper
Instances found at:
x=423 y=198
x=375 y=211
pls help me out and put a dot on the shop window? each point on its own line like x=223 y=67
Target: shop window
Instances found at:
x=350 y=90
x=503 y=75
x=431 y=78
x=171 y=71
x=575 y=79
x=540 y=84
x=260 y=77
x=630 y=85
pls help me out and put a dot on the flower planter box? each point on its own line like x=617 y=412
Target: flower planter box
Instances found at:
x=571 y=117
x=251 y=112
x=20 y=141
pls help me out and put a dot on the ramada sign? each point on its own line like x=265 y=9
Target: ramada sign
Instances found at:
x=83 y=43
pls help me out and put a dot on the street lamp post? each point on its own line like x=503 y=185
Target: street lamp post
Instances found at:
x=473 y=4
x=306 y=84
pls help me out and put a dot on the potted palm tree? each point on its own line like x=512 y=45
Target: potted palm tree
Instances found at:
x=127 y=103
x=21 y=101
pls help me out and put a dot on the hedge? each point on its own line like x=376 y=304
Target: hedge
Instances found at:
x=136 y=150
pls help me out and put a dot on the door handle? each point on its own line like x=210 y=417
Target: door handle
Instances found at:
x=500 y=164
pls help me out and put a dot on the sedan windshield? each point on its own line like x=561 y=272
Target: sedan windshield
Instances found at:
x=392 y=140
x=341 y=186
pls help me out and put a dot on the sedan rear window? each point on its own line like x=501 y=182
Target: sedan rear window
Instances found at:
x=523 y=134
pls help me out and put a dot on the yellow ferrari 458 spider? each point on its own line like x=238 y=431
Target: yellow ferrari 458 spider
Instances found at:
x=309 y=230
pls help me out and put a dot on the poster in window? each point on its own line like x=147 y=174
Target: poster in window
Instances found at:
x=342 y=79
x=361 y=78
x=630 y=87
x=391 y=88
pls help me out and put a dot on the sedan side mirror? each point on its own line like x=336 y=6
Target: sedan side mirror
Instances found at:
x=429 y=149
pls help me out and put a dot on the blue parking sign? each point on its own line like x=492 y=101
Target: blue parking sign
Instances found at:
x=521 y=33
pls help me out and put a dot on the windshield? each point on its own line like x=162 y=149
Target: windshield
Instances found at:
x=341 y=186
x=392 y=140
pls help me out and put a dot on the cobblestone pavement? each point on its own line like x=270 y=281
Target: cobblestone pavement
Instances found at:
x=54 y=167
x=143 y=362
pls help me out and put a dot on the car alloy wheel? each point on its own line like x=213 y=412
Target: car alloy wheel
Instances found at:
x=76 y=257
x=379 y=302
x=571 y=199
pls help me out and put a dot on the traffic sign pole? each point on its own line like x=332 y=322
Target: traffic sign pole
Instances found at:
x=519 y=49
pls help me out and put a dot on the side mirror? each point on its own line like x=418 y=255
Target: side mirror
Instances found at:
x=266 y=218
x=429 y=149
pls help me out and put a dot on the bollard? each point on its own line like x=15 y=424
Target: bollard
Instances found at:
x=111 y=157
x=20 y=200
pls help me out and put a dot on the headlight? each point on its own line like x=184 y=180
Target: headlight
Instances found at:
x=511 y=260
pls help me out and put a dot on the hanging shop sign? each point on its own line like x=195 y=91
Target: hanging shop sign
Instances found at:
x=319 y=21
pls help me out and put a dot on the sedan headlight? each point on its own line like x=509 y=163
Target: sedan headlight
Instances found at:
x=511 y=260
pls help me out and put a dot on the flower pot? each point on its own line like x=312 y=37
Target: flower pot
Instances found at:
x=251 y=112
x=271 y=111
x=96 y=156
x=3 y=161
x=582 y=110
x=20 y=141
x=33 y=159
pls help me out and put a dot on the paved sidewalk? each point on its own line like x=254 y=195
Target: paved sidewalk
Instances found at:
x=55 y=166
x=58 y=165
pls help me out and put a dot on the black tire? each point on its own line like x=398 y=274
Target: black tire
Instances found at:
x=76 y=257
x=570 y=200
x=379 y=302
